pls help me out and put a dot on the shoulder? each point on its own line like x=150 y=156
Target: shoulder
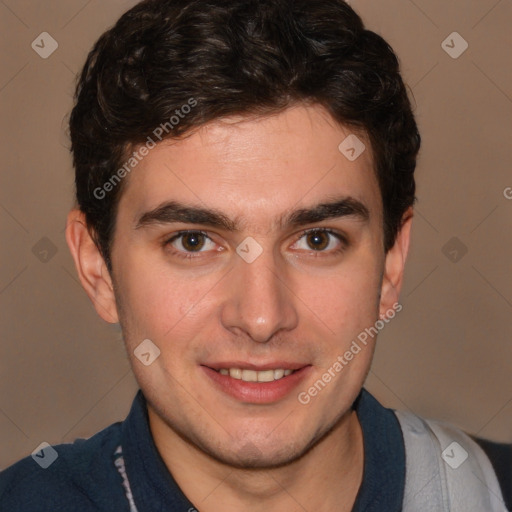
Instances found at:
x=72 y=481
x=500 y=455
x=432 y=443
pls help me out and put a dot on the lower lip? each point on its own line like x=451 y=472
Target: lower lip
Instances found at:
x=257 y=392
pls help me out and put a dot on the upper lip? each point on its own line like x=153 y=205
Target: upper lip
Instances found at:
x=243 y=365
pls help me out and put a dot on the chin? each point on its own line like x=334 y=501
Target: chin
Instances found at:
x=249 y=456
x=263 y=452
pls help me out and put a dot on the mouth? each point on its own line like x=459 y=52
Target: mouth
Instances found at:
x=256 y=384
x=256 y=376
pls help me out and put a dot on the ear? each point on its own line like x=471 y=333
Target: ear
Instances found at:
x=394 y=266
x=92 y=270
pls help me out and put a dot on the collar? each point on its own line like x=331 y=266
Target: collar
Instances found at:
x=383 y=482
x=154 y=488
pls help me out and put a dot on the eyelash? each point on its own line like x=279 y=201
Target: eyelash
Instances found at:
x=192 y=255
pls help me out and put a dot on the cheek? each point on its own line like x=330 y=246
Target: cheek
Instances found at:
x=159 y=304
x=348 y=300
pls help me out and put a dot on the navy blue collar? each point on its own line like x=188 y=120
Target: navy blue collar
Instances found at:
x=152 y=485
x=384 y=457
x=154 y=488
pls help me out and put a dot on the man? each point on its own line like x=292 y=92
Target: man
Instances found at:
x=245 y=189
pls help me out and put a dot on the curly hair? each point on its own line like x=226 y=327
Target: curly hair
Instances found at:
x=236 y=57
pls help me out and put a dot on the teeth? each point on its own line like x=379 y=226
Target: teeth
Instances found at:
x=254 y=376
x=249 y=376
x=266 y=376
x=236 y=373
x=278 y=374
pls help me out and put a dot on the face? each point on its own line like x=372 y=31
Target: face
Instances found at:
x=250 y=276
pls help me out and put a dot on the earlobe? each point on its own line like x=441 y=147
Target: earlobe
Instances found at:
x=394 y=266
x=91 y=268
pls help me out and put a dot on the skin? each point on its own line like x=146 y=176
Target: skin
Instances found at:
x=293 y=303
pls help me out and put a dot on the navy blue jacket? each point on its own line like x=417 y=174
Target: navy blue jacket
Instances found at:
x=119 y=469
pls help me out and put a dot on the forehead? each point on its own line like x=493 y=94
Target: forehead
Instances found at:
x=255 y=168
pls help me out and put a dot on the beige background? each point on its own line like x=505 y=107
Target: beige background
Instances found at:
x=447 y=355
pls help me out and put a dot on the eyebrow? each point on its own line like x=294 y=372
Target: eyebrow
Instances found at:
x=175 y=211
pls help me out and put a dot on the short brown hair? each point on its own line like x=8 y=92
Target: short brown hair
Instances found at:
x=236 y=57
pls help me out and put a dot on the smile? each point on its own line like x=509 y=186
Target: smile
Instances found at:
x=256 y=385
x=256 y=376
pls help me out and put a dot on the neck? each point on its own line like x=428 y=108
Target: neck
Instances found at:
x=326 y=478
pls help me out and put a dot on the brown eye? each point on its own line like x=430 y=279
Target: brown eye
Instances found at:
x=318 y=240
x=192 y=241
x=321 y=241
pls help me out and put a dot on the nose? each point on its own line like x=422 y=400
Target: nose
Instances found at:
x=259 y=301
